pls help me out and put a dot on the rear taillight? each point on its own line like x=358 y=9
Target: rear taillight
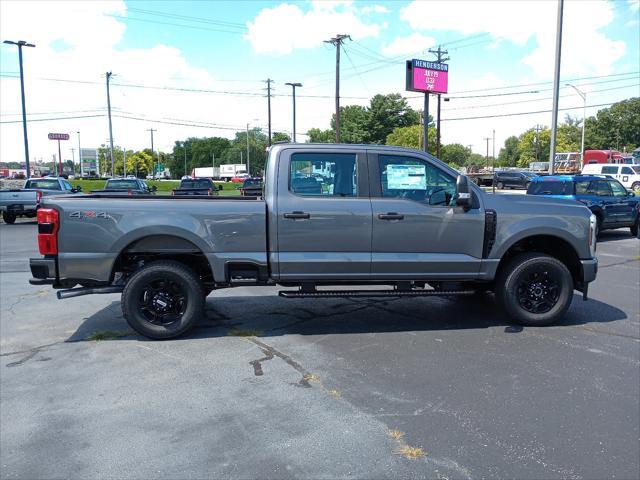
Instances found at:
x=38 y=197
x=48 y=225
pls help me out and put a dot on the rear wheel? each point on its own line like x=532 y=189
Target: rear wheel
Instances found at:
x=534 y=289
x=635 y=226
x=636 y=187
x=9 y=218
x=500 y=186
x=163 y=300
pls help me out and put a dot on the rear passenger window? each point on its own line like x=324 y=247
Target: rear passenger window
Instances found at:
x=609 y=170
x=600 y=188
x=582 y=188
x=323 y=174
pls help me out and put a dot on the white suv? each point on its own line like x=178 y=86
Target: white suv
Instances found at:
x=627 y=175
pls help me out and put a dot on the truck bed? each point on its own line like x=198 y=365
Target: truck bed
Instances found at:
x=96 y=229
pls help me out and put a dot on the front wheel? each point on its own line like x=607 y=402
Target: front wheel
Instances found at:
x=500 y=186
x=636 y=187
x=164 y=299
x=634 y=227
x=534 y=289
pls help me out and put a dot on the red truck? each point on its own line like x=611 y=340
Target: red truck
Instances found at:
x=602 y=156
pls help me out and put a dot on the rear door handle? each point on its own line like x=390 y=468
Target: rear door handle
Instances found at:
x=296 y=215
x=391 y=216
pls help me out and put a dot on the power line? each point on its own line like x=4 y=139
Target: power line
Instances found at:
x=188 y=18
x=193 y=27
x=54 y=119
x=523 y=113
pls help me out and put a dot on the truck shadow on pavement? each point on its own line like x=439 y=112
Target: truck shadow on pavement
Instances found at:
x=614 y=235
x=266 y=316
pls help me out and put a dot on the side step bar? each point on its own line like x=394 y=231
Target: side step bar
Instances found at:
x=78 y=292
x=373 y=293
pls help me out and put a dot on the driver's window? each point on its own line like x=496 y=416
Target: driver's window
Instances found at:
x=618 y=189
x=415 y=179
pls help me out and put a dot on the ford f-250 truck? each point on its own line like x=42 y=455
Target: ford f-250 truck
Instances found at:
x=384 y=216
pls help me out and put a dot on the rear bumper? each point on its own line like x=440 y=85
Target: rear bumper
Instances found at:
x=43 y=271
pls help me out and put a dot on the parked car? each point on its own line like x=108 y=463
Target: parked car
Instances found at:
x=196 y=186
x=612 y=204
x=383 y=216
x=127 y=186
x=25 y=202
x=240 y=177
x=627 y=175
x=513 y=179
x=251 y=187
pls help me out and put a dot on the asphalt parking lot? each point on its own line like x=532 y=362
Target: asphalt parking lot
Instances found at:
x=333 y=388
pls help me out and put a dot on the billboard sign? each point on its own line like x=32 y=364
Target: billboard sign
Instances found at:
x=58 y=136
x=428 y=77
x=89 y=160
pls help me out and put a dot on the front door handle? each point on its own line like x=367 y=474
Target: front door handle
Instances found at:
x=391 y=216
x=297 y=215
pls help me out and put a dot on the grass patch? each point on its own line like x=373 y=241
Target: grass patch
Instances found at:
x=409 y=452
x=241 y=332
x=335 y=393
x=310 y=377
x=396 y=434
x=108 y=335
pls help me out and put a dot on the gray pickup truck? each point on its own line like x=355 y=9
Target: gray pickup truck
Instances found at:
x=332 y=217
x=24 y=202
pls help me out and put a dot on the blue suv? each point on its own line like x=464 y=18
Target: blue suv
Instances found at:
x=611 y=203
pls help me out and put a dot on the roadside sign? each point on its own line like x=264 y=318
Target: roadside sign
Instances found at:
x=426 y=76
x=58 y=136
x=159 y=168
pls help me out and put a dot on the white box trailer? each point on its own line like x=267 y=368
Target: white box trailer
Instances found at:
x=224 y=172
x=206 y=172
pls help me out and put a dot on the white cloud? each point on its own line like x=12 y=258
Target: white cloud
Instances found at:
x=586 y=49
x=408 y=45
x=634 y=5
x=286 y=27
x=375 y=9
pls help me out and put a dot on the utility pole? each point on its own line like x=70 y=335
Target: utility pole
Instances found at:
x=73 y=160
x=124 y=162
x=21 y=44
x=158 y=168
x=493 y=151
x=293 y=87
x=556 y=88
x=337 y=42
x=487 y=157
x=80 y=156
x=425 y=122
x=440 y=59
x=248 y=171
x=213 y=164
x=537 y=139
x=268 y=81
x=108 y=75
x=184 y=147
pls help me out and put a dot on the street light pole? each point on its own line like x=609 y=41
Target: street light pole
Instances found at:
x=21 y=44
x=113 y=173
x=293 y=87
x=583 y=95
x=556 y=88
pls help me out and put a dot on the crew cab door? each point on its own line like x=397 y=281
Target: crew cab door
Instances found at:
x=323 y=215
x=417 y=233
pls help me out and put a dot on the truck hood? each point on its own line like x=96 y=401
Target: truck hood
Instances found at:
x=534 y=204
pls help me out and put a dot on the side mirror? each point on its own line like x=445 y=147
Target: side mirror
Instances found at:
x=154 y=188
x=78 y=188
x=220 y=186
x=463 y=194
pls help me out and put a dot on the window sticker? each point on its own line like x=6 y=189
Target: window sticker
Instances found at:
x=406 y=177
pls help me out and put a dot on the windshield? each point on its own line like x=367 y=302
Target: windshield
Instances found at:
x=121 y=185
x=636 y=168
x=45 y=184
x=196 y=183
x=551 y=187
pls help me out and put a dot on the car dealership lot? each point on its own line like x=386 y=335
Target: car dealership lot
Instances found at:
x=273 y=388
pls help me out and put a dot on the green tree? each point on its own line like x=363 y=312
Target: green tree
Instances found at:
x=354 y=123
x=140 y=164
x=508 y=156
x=387 y=112
x=280 y=137
x=317 y=135
x=454 y=154
x=411 y=137
x=616 y=127
x=534 y=146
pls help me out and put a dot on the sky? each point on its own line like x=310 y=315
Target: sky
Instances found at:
x=198 y=68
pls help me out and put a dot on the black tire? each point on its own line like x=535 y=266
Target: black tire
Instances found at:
x=635 y=187
x=634 y=227
x=534 y=289
x=162 y=300
x=9 y=218
x=500 y=186
x=598 y=226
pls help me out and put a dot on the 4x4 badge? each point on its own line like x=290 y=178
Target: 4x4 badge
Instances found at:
x=88 y=214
